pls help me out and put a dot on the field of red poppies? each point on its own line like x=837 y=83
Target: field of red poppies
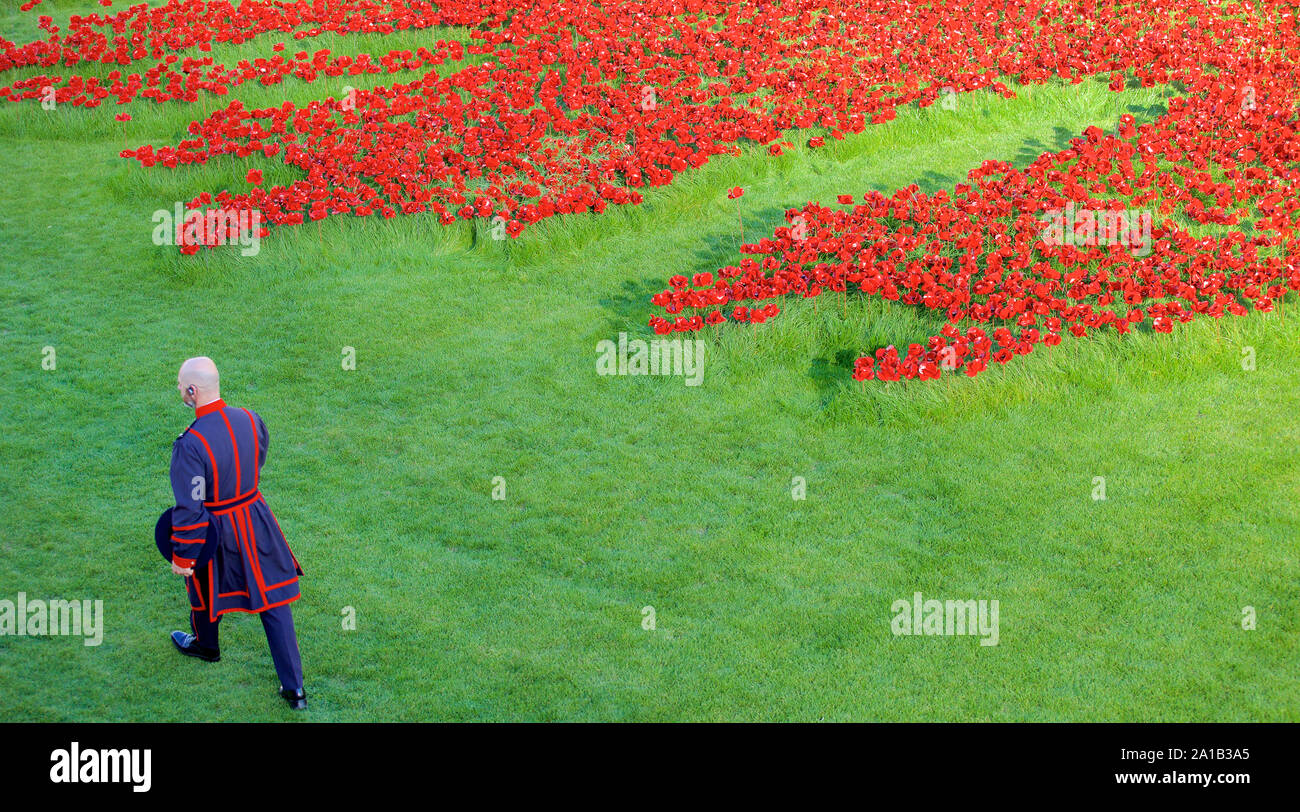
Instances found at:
x=576 y=106
x=855 y=204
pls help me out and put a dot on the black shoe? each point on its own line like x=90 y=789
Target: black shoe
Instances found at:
x=187 y=645
x=297 y=699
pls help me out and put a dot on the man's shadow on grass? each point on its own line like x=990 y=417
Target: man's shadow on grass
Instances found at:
x=721 y=247
x=928 y=182
x=714 y=249
x=828 y=374
x=1032 y=148
x=628 y=309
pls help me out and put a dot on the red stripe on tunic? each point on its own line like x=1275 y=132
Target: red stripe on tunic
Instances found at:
x=239 y=479
x=259 y=611
x=251 y=541
x=216 y=478
x=257 y=449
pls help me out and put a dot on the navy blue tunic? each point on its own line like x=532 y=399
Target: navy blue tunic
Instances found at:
x=216 y=465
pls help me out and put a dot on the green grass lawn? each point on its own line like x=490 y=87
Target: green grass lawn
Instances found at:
x=475 y=362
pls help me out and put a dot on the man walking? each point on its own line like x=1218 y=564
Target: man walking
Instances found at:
x=215 y=468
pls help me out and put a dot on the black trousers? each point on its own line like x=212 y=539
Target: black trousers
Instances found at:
x=277 y=623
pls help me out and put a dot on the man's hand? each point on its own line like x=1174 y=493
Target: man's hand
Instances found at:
x=181 y=571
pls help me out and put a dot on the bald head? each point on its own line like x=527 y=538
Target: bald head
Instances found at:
x=198 y=382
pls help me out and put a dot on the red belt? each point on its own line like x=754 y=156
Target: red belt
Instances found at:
x=222 y=508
